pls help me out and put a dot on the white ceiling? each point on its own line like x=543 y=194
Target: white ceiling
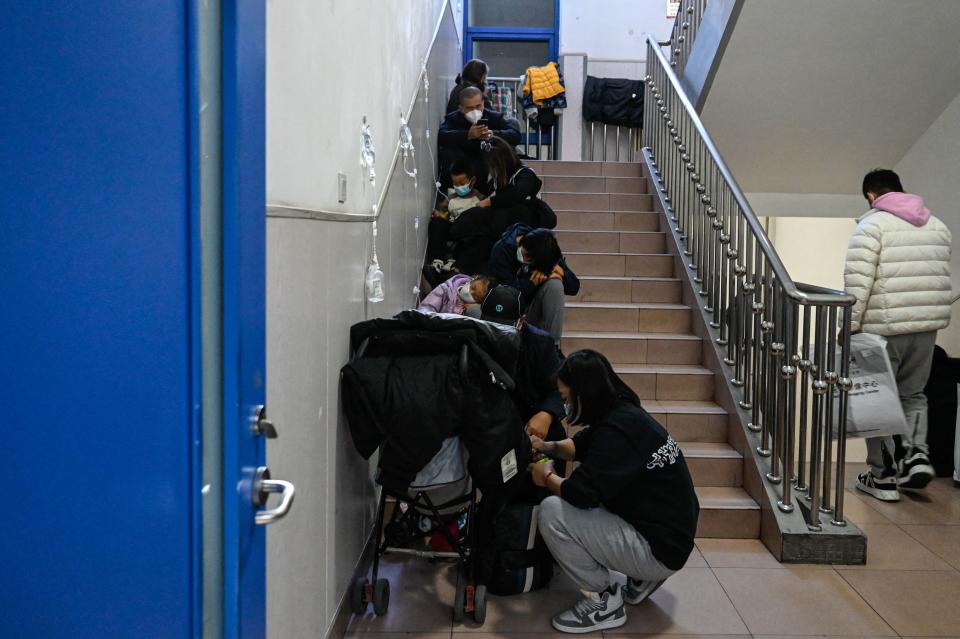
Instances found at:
x=811 y=94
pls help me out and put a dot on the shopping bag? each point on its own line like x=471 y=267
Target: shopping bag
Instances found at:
x=873 y=408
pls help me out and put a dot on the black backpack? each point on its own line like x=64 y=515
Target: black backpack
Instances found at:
x=514 y=558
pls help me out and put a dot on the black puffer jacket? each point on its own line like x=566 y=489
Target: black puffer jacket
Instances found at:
x=417 y=379
x=613 y=101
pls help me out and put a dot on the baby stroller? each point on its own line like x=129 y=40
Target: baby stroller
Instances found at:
x=417 y=387
x=443 y=497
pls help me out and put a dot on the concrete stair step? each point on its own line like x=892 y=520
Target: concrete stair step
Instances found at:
x=690 y=421
x=612 y=288
x=668 y=381
x=626 y=317
x=612 y=241
x=727 y=512
x=640 y=348
x=599 y=201
x=575 y=184
x=713 y=463
x=587 y=169
x=620 y=264
x=607 y=221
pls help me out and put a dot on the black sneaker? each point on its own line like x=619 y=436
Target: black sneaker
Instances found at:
x=636 y=591
x=596 y=611
x=915 y=472
x=884 y=489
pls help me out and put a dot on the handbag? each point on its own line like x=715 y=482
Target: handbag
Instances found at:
x=873 y=408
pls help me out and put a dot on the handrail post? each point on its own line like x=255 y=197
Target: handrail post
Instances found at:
x=844 y=384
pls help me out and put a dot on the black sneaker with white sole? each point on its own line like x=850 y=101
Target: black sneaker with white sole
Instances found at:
x=884 y=489
x=596 y=611
x=915 y=472
x=636 y=591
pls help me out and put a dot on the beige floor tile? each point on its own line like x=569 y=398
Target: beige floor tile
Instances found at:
x=860 y=512
x=736 y=553
x=396 y=635
x=802 y=600
x=521 y=614
x=664 y=635
x=944 y=483
x=691 y=602
x=912 y=602
x=918 y=507
x=890 y=548
x=512 y=633
x=421 y=598
x=806 y=637
x=943 y=540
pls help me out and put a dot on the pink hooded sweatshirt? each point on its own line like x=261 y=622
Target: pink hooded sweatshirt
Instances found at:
x=906 y=206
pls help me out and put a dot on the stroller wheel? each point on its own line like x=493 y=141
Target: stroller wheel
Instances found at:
x=480 y=604
x=358 y=602
x=381 y=597
x=460 y=598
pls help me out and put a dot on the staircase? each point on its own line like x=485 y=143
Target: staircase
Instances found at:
x=630 y=309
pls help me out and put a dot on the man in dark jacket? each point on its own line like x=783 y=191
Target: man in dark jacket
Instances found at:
x=463 y=132
x=530 y=260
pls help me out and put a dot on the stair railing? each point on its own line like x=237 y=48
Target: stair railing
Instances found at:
x=506 y=93
x=685 y=29
x=779 y=336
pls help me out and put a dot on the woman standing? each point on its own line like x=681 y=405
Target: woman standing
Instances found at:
x=629 y=507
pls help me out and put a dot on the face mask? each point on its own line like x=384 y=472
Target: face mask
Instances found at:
x=573 y=415
x=473 y=116
x=465 y=295
x=462 y=191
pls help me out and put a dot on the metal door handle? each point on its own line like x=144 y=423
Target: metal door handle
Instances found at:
x=262 y=487
x=261 y=425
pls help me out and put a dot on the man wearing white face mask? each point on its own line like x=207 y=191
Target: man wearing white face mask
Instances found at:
x=464 y=130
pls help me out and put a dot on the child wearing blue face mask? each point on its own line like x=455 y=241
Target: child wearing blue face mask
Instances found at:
x=463 y=196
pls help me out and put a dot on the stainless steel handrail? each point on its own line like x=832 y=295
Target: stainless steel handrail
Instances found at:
x=684 y=32
x=836 y=298
x=779 y=335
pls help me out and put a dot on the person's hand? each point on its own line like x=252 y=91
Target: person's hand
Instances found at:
x=478 y=132
x=484 y=203
x=540 y=471
x=440 y=214
x=539 y=424
x=557 y=273
x=538 y=278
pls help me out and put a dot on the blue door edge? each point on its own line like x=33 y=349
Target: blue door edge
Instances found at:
x=243 y=33
x=195 y=434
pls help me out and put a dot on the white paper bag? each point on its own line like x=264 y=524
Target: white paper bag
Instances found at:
x=874 y=408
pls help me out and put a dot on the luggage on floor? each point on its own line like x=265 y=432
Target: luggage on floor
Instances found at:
x=514 y=558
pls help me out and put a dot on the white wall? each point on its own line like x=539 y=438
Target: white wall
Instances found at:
x=327 y=63
x=612 y=29
x=931 y=168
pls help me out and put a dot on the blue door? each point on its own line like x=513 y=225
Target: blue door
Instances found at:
x=101 y=381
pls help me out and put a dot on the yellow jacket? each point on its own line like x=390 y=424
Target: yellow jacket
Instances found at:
x=545 y=83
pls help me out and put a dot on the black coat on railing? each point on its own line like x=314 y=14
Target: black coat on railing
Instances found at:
x=613 y=101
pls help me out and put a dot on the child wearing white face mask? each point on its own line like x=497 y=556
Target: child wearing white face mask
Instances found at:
x=458 y=295
x=463 y=196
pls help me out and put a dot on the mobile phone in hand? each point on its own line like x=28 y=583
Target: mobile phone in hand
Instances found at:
x=483 y=122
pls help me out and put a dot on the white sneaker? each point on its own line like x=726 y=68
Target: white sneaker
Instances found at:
x=636 y=591
x=596 y=611
x=884 y=489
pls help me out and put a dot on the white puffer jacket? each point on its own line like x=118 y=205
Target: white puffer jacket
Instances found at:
x=898 y=268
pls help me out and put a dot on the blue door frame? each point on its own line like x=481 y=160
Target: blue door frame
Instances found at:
x=100 y=339
x=528 y=34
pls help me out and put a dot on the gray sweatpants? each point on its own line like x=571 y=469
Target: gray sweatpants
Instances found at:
x=911 y=356
x=545 y=310
x=588 y=544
